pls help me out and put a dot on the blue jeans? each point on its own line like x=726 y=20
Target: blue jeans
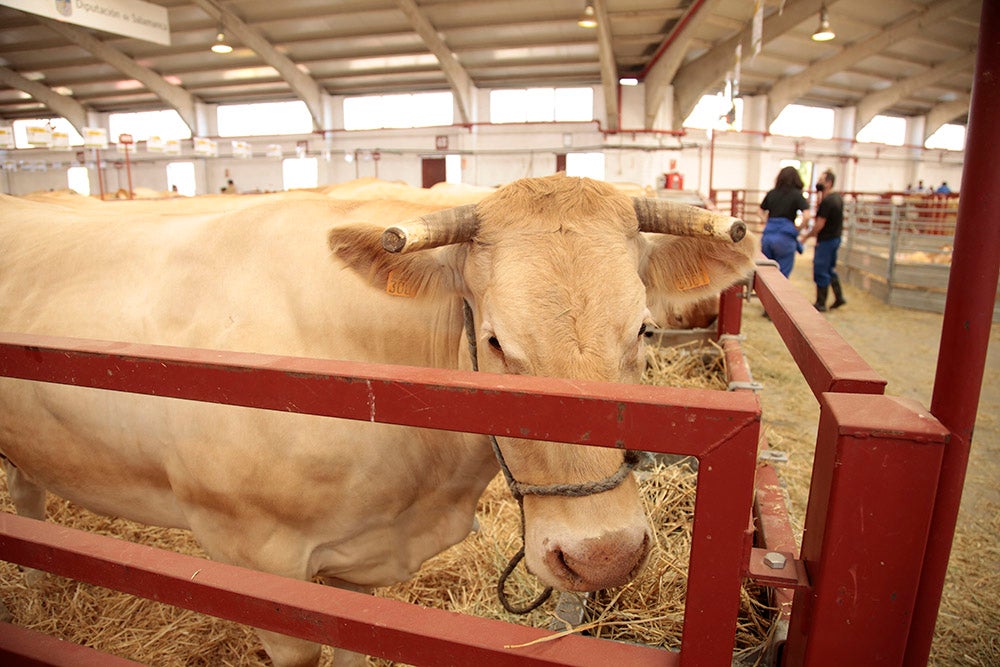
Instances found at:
x=780 y=243
x=825 y=262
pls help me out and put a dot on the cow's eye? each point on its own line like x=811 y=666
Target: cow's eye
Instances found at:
x=642 y=330
x=494 y=343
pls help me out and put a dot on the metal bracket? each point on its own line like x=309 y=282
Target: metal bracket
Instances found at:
x=737 y=386
x=773 y=456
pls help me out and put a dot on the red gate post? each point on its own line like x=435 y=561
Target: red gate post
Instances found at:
x=730 y=311
x=866 y=528
x=967 y=320
x=720 y=547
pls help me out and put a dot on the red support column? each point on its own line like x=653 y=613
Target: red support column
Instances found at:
x=870 y=500
x=967 y=320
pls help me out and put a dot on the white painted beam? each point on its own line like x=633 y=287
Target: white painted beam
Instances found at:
x=60 y=105
x=609 y=68
x=458 y=78
x=304 y=86
x=660 y=76
x=788 y=89
x=870 y=105
x=698 y=76
x=175 y=96
x=945 y=112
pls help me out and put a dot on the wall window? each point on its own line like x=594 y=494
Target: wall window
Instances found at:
x=373 y=112
x=714 y=112
x=590 y=165
x=264 y=119
x=797 y=120
x=300 y=172
x=58 y=124
x=534 y=105
x=78 y=180
x=180 y=175
x=948 y=136
x=884 y=130
x=166 y=124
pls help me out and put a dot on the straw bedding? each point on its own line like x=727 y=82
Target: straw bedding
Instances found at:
x=649 y=610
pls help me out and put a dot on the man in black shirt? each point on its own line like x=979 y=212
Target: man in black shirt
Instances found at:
x=829 y=223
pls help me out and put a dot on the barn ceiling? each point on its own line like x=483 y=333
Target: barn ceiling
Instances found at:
x=896 y=57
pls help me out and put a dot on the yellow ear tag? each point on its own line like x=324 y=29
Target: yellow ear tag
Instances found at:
x=695 y=278
x=395 y=286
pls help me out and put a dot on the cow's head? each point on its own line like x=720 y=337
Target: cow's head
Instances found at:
x=557 y=274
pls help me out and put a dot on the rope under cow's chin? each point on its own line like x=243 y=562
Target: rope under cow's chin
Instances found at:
x=519 y=489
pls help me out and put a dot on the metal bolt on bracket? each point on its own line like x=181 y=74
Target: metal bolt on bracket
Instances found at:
x=775 y=560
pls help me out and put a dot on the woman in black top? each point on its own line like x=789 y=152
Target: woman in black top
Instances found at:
x=781 y=206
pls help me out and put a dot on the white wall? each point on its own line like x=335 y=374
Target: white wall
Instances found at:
x=496 y=154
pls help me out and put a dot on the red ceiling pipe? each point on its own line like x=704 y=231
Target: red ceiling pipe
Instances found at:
x=968 y=316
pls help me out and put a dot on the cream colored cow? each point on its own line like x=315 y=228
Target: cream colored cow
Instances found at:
x=556 y=273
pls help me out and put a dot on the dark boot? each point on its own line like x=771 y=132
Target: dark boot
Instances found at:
x=821 y=293
x=838 y=293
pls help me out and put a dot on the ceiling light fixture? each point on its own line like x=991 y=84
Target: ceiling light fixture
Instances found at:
x=823 y=32
x=221 y=45
x=589 y=17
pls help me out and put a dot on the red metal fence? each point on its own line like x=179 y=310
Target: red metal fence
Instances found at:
x=721 y=429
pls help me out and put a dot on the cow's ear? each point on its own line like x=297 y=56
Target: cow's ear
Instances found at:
x=417 y=274
x=685 y=269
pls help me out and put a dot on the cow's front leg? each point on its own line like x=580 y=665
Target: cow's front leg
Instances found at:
x=288 y=651
x=29 y=501
x=341 y=656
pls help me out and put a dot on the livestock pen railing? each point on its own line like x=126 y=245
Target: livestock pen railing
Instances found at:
x=720 y=429
x=900 y=250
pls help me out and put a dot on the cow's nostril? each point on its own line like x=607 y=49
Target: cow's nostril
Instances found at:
x=598 y=563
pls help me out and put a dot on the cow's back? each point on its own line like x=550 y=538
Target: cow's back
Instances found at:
x=250 y=274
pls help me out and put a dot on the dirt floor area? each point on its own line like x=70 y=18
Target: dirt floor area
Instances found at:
x=901 y=345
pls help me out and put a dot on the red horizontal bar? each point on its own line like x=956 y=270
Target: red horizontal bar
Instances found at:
x=641 y=417
x=827 y=362
x=362 y=623
x=20 y=646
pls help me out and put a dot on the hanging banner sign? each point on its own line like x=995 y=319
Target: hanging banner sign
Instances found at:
x=274 y=150
x=172 y=147
x=95 y=137
x=155 y=144
x=60 y=140
x=6 y=136
x=242 y=149
x=39 y=136
x=131 y=18
x=206 y=147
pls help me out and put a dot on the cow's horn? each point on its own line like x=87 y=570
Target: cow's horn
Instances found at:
x=667 y=217
x=452 y=225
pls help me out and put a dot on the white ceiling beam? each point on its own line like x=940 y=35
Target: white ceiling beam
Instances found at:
x=870 y=105
x=787 y=89
x=609 y=68
x=700 y=75
x=945 y=112
x=659 y=77
x=60 y=105
x=175 y=96
x=304 y=86
x=458 y=78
